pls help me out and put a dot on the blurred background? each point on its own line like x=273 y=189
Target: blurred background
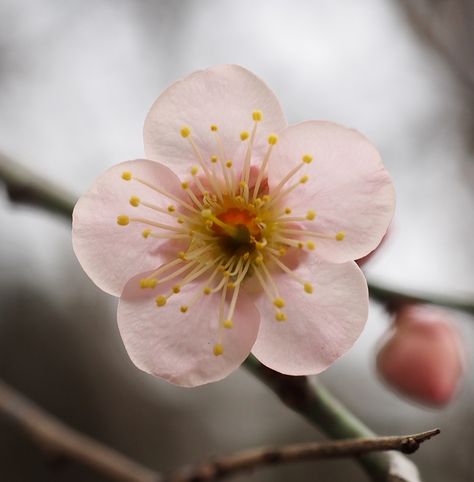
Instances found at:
x=76 y=81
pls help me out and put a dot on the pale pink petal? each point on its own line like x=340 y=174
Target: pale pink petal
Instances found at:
x=111 y=254
x=179 y=346
x=348 y=187
x=321 y=326
x=226 y=96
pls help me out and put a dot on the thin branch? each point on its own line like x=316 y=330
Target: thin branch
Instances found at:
x=260 y=457
x=58 y=439
x=396 y=298
x=25 y=187
x=321 y=409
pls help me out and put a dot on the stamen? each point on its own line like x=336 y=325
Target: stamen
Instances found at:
x=218 y=349
x=123 y=220
x=272 y=140
x=178 y=200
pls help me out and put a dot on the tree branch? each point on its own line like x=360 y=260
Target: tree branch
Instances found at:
x=259 y=457
x=25 y=187
x=58 y=439
x=322 y=410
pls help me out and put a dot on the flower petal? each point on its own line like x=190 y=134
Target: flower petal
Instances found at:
x=348 y=187
x=321 y=326
x=179 y=346
x=226 y=96
x=111 y=254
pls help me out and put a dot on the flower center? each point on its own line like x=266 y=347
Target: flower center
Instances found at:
x=240 y=239
x=234 y=225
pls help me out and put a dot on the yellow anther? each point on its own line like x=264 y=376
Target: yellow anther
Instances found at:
x=123 y=220
x=258 y=260
x=228 y=324
x=207 y=290
x=180 y=220
x=183 y=309
x=308 y=287
x=304 y=179
x=185 y=185
x=282 y=251
x=185 y=131
x=260 y=244
x=287 y=211
x=182 y=255
x=300 y=245
x=266 y=198
x=228 y=164
x=126 y=175
x=214 y=159
x=246 y=256
x=171 y=208
x=280 y=316
x=307 y=159
x=206 y=213
x=148 y=283
x=214 y=128
x=209 y=224
x=279 y=302
x=239 y=198
x=311 y=245
x=230 y=285
x=134 y=201
x=272 y=139
x=146 y=233
x=244 y=135
x=243 y=184
x=226 y=273
x=340 y=235
x=176 y=289
x=160 y=300
x=194 y=170
x=257 y=115
x=218 y=349
x=258 y=202
x=311 y=215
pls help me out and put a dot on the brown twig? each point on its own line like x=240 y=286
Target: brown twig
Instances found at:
x=58 y=439
x=26 y=187
x=260 y=457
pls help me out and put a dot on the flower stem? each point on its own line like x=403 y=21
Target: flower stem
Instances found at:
x=314 y=403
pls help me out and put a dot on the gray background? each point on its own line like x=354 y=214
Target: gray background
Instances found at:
x=76 y=80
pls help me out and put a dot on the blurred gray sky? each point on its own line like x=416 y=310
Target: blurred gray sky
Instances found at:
x=76 y=81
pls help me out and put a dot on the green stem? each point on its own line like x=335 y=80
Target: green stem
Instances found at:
x=314 y=403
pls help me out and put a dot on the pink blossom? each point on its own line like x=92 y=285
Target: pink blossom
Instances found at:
x=238 y=234
x=422 y=357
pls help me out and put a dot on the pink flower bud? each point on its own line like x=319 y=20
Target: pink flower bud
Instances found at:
x=422 y=356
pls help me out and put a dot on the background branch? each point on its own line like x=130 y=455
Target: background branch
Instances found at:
x=56 y=438
x=260 y=457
